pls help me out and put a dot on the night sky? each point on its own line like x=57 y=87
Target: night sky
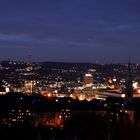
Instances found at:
x=103 y=31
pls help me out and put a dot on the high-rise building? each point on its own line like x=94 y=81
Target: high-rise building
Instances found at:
x=30 y=86
x=88 y=80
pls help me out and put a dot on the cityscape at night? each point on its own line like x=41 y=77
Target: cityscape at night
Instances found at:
x=69 y=70
x=55 y=100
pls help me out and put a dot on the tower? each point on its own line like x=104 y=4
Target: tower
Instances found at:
x=129 y=82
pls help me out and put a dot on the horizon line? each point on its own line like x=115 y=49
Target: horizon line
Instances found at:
x=25 y=61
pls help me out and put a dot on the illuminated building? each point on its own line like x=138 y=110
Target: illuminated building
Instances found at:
x=30 y=86
x=87 y=91
x=88 y=80
x=17 y=116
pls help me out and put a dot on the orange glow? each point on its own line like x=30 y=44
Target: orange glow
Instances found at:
x=71 y=95
x=138 y=90
x=49 y=95
x=110 y=81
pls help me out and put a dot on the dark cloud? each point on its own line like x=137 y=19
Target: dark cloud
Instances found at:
x=70 y=30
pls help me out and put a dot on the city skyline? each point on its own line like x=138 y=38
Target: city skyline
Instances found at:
x=70 y=31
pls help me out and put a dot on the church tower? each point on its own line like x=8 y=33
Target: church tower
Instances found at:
x=129 y=82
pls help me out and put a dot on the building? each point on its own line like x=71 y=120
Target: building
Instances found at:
x=88 y=80
x=129 y=82
x=3 y=90
x=30 y=86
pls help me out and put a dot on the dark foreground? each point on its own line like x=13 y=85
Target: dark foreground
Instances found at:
x=37 y=118
x=79 y=126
